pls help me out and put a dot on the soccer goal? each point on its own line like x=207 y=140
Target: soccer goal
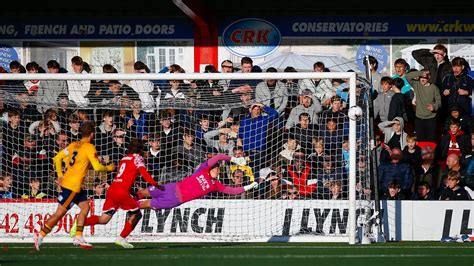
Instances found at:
x=304 y=135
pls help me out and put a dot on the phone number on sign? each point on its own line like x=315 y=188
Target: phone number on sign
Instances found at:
x=12 y=223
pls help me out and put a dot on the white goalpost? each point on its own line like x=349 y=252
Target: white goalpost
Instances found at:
x=311 y=161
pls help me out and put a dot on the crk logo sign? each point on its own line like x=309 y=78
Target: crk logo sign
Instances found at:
x=251 y=37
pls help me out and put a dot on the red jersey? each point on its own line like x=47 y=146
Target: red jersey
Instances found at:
x=129 y=168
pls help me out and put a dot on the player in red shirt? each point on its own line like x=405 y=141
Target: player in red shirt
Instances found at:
x=118 y=194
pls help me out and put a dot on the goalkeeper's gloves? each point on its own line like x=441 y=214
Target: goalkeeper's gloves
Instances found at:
x=239 y=161
x=254 y=185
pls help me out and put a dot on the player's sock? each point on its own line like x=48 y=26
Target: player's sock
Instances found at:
x=79 y=230
x=45 y=230
x=127 y=229
x=92 y=220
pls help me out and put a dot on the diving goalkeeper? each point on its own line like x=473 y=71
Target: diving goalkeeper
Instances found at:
x=202 y=182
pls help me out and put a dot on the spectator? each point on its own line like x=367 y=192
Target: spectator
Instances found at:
x=16 y=86
x=244 y=86
x=332 y=137
x=272 y=184
x=304 y=132
x=238 y=152
x=100 y=189
x=457 y=86
x=456 y=114
x=307 y=105
x=299 y=174
x=428 y=102
x=318 y=153
x=411 y=152
x=30 y=161
x=35 y=190
x=50 y=90
x=138 y=121
x=335 y=112
x=169 y=137
x=116 y=149
x=401 y=68
x=394 y=137
x=32 y=86
x=329 y=172
x=336 y=192
x=28 y=112
x=242 y=109
x=428 y=171
x=393 y=192
x=145 y=89
x=203 y=128
x=272 y=93
x=64 y=110
x=50 y=120
x=153 y=156
x=423 y=192
x=12 y=138
x=175 y=91
x=320 y=88
x=285 y=157
x=253 y=131
x=189 y=154
x=73 y=133
x=396 y=170
x=453 y=164
x=226 y=67
x=374 y=74
x=78 y=89
x=455 y=142
x=238 y=179
x=397 y=104
x=291 y=193
x=382 y=102
x=453 y=190
x=223 y=144
x=104 y=132
x=6 y=185
x=436 y=61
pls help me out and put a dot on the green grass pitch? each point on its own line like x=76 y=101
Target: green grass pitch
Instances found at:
x=243 y=254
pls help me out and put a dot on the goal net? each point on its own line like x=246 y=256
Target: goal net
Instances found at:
x=309 y=158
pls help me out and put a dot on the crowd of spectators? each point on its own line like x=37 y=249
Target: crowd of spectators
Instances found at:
x=294 y=133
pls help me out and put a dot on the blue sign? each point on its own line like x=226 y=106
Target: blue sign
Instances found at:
x=374 y=49
x=369 y=26
x=7 y=54
x=251 y=37
x=97 y=29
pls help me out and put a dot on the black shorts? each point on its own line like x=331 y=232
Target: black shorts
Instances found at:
x=67 y=197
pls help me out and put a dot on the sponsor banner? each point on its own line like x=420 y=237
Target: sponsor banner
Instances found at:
x=212 y=220
x=372 y=26
x=96 y=30
x=251 y=37
x=7 y=54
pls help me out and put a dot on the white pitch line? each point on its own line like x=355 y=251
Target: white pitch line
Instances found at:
x=266 y=247
x=233 y=256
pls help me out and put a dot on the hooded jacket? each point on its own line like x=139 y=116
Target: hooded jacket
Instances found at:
x=388 y=132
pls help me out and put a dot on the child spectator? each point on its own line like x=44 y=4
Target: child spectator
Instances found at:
x=411 y=152
x=382 y=102
x=423 y=192
x=453 y=191
x=35 y=190
x=397 y=104
x=393 y=192
x=6 y=187
x=455 y=142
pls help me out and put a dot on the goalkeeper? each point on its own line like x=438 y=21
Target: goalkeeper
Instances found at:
x=200 y=183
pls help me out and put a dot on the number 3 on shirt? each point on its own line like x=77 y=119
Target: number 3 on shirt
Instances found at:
x=73 y=159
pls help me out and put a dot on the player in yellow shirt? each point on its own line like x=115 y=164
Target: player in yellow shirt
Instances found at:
x=78 y=156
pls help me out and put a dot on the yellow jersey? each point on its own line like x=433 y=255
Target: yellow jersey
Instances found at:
x=78 y=156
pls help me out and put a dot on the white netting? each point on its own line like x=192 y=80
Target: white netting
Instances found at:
x=297 y=149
